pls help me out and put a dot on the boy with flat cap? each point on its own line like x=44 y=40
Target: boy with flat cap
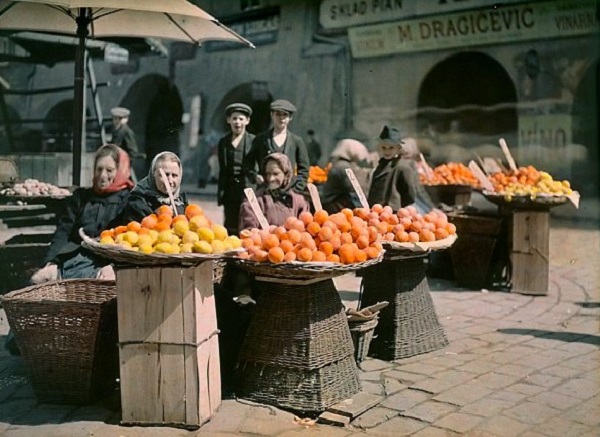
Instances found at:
x=122 y=135
x=237 y=171
x=278 y=139
x=395 y=181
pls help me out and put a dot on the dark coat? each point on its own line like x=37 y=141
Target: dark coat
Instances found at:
x=145 y=200
x=125 y=139
x=86 y=210
x=338 y=193
x=394 y=182
x=276 y=210
x=293 y=147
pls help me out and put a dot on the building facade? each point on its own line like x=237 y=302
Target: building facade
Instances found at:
x=455 y=75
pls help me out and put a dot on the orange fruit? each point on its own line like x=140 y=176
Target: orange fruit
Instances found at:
x=416 y=226
x=313 y=228
x=373 y=234
x=378 y=208
x=247 y=242
x=326 y=247
x=346 y=237
x=362 y=241
x=280 y=231
x=325 y=234
x=289 y=222
x=107 y=233
x=388 y=208
x=298 y=225
x=361 y=213
x=179 y=218
x=360 y=256
x=149 y=221
x=336 y=242
x=321 y=216
x=451 y=228
x=413 y=237
x=275 y=255
x=346 y=253
x=120 y=229
x=286 y=246
x=333 y=258
x=441 y=233
x=348 y=213
x=401 y=236
x=164 y=209
x=260 y=256
x=289 y=257
x=306 y=240
x=294 y=236
x=318 y=256
x=403 y=212
x=134 y=226
x=426 y=235
x=304 y=254
x=270 y=241
x=306 y=217
x=371 y=252
x=329 y=224
x=193 y=210
x=162 y=225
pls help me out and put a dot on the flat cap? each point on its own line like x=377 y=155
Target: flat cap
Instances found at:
x=238 y=107
x=391 y=134
x=120 y=112
x=283 y=105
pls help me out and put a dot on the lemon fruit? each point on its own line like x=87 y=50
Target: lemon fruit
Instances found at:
x=202 y=247
x=219 y=231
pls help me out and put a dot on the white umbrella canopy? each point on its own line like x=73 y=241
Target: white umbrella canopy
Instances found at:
x=168 y=19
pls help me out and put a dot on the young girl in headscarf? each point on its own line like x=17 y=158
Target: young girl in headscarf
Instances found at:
x=151 y=192
x=276 y=199
x=92 y=209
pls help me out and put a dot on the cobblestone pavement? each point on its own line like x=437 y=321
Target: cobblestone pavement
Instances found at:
x=516 y=365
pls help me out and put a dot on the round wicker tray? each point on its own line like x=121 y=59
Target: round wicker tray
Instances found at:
x=449 y=189
x=304 y=270
x=124 y=256
x=421 y=246
x=541 y=201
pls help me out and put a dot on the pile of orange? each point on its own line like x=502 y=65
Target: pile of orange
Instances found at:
x=164 y=232
x=318 y=175
x=339 y=238
x=528 y=181
x=407 y=225
x=451 y=173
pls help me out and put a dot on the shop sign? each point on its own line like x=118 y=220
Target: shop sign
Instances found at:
x=259 y=31
x=345 y=13
x=553 y=131
x=552 y=19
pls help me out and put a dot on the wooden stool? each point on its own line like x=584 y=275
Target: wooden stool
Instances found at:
x=409 y=325
x=168 y=345
x=298 y=352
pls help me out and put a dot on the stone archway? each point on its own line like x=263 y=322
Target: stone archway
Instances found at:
x=57 y=129
x=468 y=100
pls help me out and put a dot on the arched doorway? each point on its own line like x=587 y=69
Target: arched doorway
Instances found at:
x=586 y=108
x=468 y=100
x=57 y=130
x=156 y=111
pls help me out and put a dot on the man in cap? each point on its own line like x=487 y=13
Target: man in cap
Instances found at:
x=278 y=139
x=236 y=169
x=395 y=181
x=122 y=135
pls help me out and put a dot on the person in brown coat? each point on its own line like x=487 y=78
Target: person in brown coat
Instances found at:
x=276 y=199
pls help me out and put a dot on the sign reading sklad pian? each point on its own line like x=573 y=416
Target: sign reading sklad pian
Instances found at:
x=345 y=13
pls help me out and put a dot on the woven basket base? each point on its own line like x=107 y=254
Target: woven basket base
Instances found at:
x=409 y=326
x=362 y=335
x=298 y=389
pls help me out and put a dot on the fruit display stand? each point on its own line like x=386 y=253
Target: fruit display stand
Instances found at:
x=298 y=352
x=168 y=337
x=409 y=325
x=451 y=195
x=528 y=239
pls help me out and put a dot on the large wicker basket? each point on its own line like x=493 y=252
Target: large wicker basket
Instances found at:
x=67 y=334
x=362 y=334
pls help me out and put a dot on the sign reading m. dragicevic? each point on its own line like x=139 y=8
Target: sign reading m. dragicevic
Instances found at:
x=506 y=24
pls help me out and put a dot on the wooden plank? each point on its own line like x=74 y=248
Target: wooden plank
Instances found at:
x=188 y=287
x=167 y=320
x=173 y=396
x=205 y=302
x=204 y=381
x=192 y=385
x=214 y=376
x=530 y=252
x=140 y=371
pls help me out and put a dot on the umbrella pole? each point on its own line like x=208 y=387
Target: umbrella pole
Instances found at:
x=79 y=96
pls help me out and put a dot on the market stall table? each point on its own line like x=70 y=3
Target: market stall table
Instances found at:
x=409 y=325
x=298 y=351
x=168 y=337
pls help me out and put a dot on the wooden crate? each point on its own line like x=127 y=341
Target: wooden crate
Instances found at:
x=168 y=346
x=530 y=251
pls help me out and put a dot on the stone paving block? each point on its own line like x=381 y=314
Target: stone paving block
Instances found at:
x=329 y=418
x=313 y=431
x=429 y=411
x=543 y=379
x=508 y=396
x=369 y=376
x=503 y=426
x=538 y=361
x=431 y=431
x=371 y=364
x=514 y=369
x=562 y=371
x=373 y=387
x=582 y=363
x=423 y=369
x=466 y=345
x=487 y=407
x=459 y=422
x=478 y=366
x=526 y=389
x=463 y=394
x=562 y=427
x=356 y=405
x=391 y=386
x=268 y=427
x=405 y=399
x=374 y=417
x=580 y=347
x=505 y=357
x=399 y=426
x=442 y=381
x=587 y=413
x=479 y=330
x=530 y=412
x=579 y=388
x=555 y=400
x=229 y=418
x=406 y=378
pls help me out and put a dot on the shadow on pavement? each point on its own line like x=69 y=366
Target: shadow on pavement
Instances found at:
x=569 y=337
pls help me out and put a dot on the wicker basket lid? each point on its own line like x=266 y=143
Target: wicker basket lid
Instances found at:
x=8 y=170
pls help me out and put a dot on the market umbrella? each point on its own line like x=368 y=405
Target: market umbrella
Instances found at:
x=169 y=19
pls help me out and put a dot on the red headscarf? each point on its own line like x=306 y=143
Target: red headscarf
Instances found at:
x=122 y=178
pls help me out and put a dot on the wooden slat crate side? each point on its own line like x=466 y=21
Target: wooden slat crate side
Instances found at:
x=530 y=252
x=205 y=302
x=209 y=379
x=173 y=382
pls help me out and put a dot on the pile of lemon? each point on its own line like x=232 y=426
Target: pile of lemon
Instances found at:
x=166 y=233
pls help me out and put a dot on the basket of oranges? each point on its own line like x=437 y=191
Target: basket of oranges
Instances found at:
x=311 y=246
x=163 y=238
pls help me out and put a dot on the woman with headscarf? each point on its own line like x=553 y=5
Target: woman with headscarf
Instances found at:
x=276 y=199
x=338 y=193
x=92 y=209
x=151 y=192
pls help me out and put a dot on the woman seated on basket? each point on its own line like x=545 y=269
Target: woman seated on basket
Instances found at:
x=276 y=199
x=152 y=192
x=92 y=209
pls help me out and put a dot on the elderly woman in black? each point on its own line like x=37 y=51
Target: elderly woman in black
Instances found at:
x=151 y=192
x=92 y=209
